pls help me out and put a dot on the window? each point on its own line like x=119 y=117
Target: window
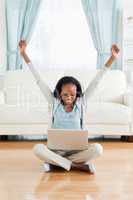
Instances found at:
x=61 y=38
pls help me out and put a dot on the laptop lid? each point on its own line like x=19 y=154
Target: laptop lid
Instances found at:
x=67 y=139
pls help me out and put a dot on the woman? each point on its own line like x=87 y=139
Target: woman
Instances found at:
x=68 y=104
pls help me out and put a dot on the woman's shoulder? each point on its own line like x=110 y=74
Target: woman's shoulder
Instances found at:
x=81 y=100
x=56 y=101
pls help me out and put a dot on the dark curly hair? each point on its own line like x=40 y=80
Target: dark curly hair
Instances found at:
x=67 y=80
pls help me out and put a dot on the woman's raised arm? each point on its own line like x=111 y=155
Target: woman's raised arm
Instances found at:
x=42 y=85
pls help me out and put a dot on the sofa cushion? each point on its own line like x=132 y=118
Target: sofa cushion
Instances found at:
x=11 y=114
x=108 y=113
x=97 y=113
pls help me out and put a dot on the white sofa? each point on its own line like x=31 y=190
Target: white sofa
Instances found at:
x=24 y=109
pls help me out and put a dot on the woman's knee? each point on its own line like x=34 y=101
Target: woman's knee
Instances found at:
x=98 y=149
x=38 y=148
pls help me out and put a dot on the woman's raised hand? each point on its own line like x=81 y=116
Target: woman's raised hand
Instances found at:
x=22 y=49
x=114 y=55
x=22 y=46
x=115 y=51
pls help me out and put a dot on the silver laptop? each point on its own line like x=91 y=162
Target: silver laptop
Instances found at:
x=67 y=139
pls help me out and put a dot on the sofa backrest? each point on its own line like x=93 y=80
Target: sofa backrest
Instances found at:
x=21 y=88
x=1 y=88
x=111 y=87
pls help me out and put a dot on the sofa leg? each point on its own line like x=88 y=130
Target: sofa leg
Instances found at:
x=124 y=138
x=3 y=137
x=130 y=138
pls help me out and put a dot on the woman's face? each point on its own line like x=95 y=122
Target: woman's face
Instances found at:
x=68 y=94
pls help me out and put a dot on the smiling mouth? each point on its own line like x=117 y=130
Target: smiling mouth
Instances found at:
x=69 y=100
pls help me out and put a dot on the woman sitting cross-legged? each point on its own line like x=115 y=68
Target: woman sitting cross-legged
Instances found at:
x=67 y=102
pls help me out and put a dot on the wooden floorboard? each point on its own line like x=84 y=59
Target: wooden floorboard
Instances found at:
x=21 y=176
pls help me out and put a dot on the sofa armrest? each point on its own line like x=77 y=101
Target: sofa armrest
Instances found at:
x=2 y=97
x=128 y=97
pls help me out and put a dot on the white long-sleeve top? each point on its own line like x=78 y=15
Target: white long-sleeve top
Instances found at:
x=54 y=102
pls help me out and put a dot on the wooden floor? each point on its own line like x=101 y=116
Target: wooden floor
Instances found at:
x=21 y=177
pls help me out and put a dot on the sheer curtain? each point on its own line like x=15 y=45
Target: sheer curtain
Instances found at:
x=62 y=38
x=2 y=37
x=104 y=18
x=20 y=20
